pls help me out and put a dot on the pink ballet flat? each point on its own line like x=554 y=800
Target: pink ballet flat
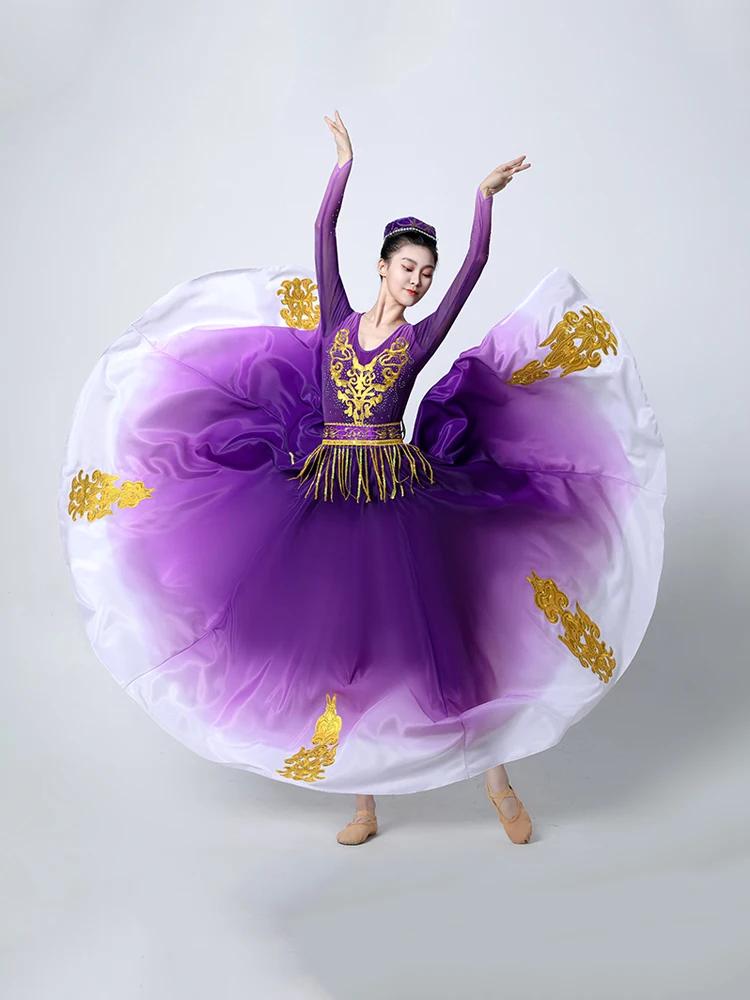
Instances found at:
x=518 y=828
x=357 y=833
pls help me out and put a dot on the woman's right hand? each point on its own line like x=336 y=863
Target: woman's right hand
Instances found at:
x=343 y=145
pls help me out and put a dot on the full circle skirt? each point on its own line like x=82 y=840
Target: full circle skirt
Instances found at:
x=389 y=646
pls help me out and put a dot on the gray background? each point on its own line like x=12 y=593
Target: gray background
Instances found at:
x=145 y=143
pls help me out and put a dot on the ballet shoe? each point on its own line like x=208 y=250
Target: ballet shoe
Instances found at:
x=518 y=828
x=357 y=833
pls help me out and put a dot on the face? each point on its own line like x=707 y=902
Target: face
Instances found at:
x=408 y=274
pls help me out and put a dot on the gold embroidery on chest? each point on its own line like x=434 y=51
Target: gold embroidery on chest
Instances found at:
x=593 y=331
x=361 y=387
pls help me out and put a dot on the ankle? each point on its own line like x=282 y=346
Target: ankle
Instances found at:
x=365 y=802
x=497 y=779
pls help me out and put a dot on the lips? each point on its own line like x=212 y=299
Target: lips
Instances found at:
x=410 y=291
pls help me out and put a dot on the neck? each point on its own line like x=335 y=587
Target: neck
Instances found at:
x=386 y=311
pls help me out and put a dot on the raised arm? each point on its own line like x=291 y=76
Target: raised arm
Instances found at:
x=334 y=305
x=431 y=330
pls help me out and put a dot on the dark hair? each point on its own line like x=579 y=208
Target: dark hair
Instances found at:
x=397 y=240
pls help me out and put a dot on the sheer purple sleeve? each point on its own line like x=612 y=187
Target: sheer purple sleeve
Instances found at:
x=431 y=330
x=334 y=305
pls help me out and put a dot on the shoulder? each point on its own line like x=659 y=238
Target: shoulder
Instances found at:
x=342 y=329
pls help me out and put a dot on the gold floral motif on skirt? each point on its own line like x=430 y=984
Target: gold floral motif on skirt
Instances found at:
x=93 y=495
x=595 y=335
x=300 y=308
x=582 y=636
x=310 y=765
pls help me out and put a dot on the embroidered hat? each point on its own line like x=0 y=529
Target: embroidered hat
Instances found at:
x=409 y=224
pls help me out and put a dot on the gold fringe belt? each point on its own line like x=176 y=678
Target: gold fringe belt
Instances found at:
x=379 y=448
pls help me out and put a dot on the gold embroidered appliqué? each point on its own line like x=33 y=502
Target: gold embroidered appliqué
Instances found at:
x=582 y=635
x=309 y=765
x=360 y=387
x=595 y=335
x=300 y=310
x=94 y=495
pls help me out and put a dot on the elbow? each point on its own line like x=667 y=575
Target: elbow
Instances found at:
x=326 y=219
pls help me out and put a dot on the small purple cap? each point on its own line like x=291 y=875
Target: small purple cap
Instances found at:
x=409 y=224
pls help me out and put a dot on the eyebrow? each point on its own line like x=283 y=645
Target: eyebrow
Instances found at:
x=414 y=262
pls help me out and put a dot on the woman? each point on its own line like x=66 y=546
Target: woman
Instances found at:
x=406 y=267
x=278 y=569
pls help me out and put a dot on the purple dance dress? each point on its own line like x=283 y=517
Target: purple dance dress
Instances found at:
x=288 y=586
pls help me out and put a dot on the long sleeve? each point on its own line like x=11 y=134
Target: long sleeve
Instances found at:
x=334 y=304
x=431 y=330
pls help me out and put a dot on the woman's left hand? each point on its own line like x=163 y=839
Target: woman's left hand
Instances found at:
x=502 y=176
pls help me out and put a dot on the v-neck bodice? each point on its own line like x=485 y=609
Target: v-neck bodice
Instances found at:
x=367 y=386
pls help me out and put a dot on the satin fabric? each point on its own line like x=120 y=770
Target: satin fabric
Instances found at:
x=234 y=609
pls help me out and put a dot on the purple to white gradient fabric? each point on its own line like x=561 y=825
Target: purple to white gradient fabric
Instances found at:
x=491 y=581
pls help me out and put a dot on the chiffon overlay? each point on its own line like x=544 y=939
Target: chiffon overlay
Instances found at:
x=288 y=586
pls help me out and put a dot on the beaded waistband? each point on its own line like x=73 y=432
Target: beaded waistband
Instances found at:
x=392 y=433
x=357 y=452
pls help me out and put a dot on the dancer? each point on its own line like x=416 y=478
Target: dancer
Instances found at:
x=406 y=266
x=290 y=587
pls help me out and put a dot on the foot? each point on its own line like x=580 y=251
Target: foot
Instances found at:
x=363 y=825
x=510 y=809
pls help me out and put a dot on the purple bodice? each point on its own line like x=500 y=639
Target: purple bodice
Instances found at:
x=366 y=387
